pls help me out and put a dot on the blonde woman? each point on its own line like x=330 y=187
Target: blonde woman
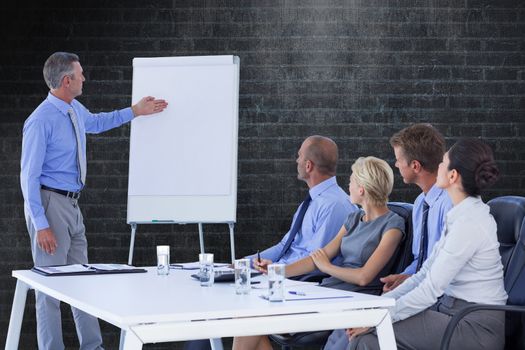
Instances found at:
x=367 y=241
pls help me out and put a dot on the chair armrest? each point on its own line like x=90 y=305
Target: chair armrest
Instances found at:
x=451 y=327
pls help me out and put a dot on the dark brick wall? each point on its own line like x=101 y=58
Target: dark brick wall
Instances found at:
x=356 y=71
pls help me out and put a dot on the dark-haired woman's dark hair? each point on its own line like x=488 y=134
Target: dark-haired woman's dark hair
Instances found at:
x=474 y=161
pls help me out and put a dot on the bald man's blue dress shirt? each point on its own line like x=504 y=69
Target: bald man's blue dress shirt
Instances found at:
x=326 y=214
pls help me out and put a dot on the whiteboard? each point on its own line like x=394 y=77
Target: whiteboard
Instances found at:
x=183 y=161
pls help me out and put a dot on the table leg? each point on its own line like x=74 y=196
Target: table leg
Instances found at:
x=131 y=341
x=216 y=344
x=17 y=315
x=385 y=334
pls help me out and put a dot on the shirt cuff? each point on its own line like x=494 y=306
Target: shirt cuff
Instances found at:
x=40 y=223
x=251 y=257
x=127 y=114
x=411 y=269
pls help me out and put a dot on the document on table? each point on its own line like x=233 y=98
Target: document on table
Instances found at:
x=110 y=267
x=287 y=283
x=76 y=268
x=85 y=269
x=309 y=292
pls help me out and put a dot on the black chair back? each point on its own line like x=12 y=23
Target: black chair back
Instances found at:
x=508 y=211
x=515 y=287
x=515 y=273
x=403 y=256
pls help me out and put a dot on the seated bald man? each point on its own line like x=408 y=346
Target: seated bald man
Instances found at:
x=317 y=219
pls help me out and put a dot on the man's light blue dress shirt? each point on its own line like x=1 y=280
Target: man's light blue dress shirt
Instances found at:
x=326 y=214
x=439 y=205
x=49 y=149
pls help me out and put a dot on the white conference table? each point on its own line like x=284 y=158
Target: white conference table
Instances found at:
x=152 y=309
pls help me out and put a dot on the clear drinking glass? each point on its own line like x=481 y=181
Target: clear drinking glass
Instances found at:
x=242 y=276
x=276 y=273
x=163 y=259
x=206 y=274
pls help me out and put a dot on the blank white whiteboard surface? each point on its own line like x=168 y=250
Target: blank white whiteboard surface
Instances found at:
x=183 y=161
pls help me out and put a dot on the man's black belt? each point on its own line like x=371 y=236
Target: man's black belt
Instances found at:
x=73 y=195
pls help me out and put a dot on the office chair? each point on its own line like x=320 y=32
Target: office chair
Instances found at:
x=509 y=213
x=402 y=258
x=404 y=254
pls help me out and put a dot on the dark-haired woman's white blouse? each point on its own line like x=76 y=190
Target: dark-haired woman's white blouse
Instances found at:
x=464 y=264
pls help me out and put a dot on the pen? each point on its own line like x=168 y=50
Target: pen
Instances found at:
x=258 y=257
x=296 y=292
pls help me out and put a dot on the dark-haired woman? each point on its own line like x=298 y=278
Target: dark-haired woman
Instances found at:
x=464 y=267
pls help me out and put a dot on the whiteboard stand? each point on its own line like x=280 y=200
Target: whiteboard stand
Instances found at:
x=132 y=243
x=232 y=243
x=201 y=240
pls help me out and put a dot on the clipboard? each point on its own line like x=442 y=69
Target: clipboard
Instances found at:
x=85 y=269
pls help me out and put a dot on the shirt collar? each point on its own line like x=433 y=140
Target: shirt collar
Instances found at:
x=318 y=189
x=463 y=208
x=434 y=194
x=61 y=105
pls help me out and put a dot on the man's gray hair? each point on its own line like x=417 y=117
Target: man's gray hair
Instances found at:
x=57 y=66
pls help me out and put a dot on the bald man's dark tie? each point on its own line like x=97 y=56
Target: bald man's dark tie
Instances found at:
x=423 y=244
x=296 y=226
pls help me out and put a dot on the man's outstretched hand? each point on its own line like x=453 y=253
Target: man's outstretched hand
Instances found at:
x=149 y=105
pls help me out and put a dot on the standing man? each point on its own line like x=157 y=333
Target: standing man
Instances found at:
x=419 y=149
x=321 y=214
x=53 y=173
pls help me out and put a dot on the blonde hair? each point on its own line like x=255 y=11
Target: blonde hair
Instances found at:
x=376 y=177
